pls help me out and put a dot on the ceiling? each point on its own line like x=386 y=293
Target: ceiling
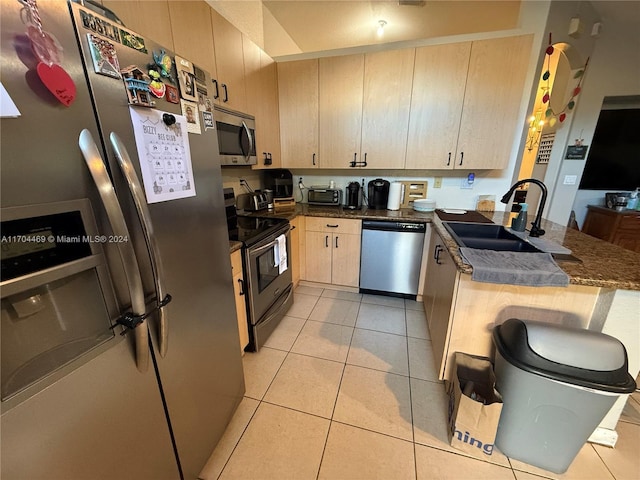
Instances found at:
x=313 y=26
x=333 y=24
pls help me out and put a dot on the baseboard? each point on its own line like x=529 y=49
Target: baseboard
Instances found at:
x=604 y=436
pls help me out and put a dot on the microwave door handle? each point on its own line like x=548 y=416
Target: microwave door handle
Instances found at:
x=247 y=132
x=137 y=193
x=116 y=219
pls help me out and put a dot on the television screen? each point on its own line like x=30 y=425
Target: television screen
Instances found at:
x=613 y=162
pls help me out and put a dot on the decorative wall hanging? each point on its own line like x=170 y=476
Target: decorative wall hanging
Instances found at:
x=550 y=114
x=49 y=53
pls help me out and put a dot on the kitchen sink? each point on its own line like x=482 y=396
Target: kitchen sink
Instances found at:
x=487 y=237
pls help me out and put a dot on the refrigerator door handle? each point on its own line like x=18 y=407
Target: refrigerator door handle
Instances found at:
x=127 y=254
x=137 y=193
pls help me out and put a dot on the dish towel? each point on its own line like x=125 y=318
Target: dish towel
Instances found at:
x=535 y=269
x=280 y=253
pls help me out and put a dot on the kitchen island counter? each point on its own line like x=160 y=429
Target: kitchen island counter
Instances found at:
x=602 y=264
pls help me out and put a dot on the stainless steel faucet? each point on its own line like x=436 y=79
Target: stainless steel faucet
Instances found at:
x=535 y=231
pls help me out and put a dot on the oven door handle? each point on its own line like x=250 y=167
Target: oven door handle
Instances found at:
x=118 y=224
x=269 y=245
x=137 y=193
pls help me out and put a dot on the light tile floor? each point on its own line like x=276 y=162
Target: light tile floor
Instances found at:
x=345 y=388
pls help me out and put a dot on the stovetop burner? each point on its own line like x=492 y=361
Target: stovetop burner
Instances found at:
x=249 y=230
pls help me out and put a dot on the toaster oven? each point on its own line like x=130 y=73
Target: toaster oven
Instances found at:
x=325 y=196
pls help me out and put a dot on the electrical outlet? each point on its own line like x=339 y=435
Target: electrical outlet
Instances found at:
x=437 y=182
x=570 y=179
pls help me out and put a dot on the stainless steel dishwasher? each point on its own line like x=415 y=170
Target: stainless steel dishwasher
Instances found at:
x=390 y=257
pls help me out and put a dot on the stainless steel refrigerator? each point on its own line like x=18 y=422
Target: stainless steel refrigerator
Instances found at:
x=80 y=400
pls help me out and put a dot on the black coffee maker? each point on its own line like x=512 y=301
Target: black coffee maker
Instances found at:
x=353 y=196
x=280 y=181
x=378 y=194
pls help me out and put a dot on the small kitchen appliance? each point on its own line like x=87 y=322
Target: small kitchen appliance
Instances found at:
x=354 y=196
x=252 y=202
x=325 y=196
x=378 y=194
x=280 y=181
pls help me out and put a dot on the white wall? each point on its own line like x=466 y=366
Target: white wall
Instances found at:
x=614 y=70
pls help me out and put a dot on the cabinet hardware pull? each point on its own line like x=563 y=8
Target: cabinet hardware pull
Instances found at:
x=313 y=159
x=364 y=164
x=436 y=253
x=216 y=95
x=226 y=93
x=449 y=160
x=332 y=226
x=336 y=242
x=461 y=157
x=355 y=160
x=241 y=283
x=326 y=241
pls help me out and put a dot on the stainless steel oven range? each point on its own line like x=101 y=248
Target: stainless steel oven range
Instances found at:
x=267 y=277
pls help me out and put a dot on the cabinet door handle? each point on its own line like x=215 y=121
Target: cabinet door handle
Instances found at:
x=461 y=157
x=226 y=93
x=436 y=254
x=364 y=164
x=241 y=283
x=355 y=160
x=326 y=241
x=216 y=95
x=336 y=242
x=332 y=226
x=449 y=160
x=313 y=159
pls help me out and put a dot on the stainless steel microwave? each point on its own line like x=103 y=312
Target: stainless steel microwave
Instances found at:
x=325 y=196
x=236 y=137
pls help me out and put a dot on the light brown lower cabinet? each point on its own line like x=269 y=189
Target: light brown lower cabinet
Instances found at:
x=239 y=291
x=332 y=251
x=294 y=262
x=461 y=313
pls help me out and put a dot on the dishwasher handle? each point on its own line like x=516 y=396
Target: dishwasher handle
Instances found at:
x=411 y=227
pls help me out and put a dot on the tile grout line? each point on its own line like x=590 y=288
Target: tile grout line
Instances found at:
x=335 y=402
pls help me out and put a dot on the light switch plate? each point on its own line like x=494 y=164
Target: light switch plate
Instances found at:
x=570 y=179
x=437 y=182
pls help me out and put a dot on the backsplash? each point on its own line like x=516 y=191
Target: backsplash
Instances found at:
x=449 y=195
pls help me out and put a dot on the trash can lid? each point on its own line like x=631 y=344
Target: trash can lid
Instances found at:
x=576 y=356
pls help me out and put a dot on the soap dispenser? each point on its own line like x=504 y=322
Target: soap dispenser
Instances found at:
x=520 y=222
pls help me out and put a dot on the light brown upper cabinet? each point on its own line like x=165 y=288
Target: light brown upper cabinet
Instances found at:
x=439 y=79
x=341 y=92
x=229 y=80
x=261 y=79
x=388 y=78
x=192 y=34
x=364 y=109
x=298 y=102
x=490 y=90
x=148 y=18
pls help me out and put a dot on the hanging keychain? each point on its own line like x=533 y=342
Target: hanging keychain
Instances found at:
x=49 y=52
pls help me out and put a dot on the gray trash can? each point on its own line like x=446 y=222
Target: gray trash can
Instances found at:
x=557 y=384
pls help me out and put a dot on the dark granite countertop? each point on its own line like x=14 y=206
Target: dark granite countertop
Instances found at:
x=234 y=245
x=603 y=264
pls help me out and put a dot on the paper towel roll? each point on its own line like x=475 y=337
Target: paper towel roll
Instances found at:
x=395 y=196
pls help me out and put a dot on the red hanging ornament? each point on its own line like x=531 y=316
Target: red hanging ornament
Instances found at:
x=545 y=98
x=576 y=91
x=562 y=117
x=549 y=50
